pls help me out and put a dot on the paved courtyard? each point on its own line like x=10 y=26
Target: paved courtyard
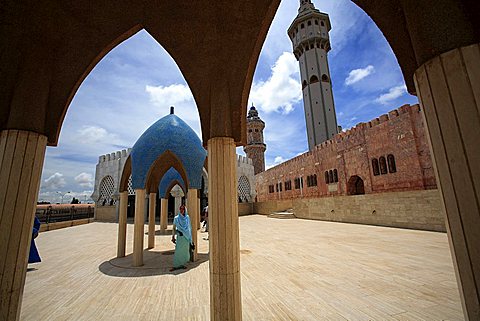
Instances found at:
x=291 y=270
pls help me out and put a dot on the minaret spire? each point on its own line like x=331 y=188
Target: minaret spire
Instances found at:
x=305 y=5
x=255 y=148
x=311 y=43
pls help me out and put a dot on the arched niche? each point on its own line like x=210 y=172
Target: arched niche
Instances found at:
x=159 y=167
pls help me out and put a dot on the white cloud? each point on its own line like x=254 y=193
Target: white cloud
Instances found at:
x=356 y=75
x=88 y=135
x=392 y=94
x=180 y=96
x=278 y=160
x=169 y=95
x=282 y=89
x=84 y=180
x=55 y=181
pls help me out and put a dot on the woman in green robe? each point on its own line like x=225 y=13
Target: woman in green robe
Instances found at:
x=182 y=229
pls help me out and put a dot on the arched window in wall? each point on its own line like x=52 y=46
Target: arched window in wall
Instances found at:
x=322 y=23
x=314 y=178
x=335 y=175
x=383 y=165
x=327 y=178
x=313 y=79
x=309 y=23
x=304 y=84
x=244 y=189
x=330 y=176
x=375 y=168
x=325 y=78
x=392 y=167
x=302 y=26
x=107 y=188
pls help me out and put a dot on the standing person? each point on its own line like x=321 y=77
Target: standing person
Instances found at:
x=183 y=230
x=33 y=256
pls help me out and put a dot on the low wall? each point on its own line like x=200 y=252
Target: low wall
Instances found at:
x=106 y=213
x=59 y=225
x=269 y=207
x=413 y=209
x=245 y=209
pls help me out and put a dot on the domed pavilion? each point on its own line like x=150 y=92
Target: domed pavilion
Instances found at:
x=167 y=154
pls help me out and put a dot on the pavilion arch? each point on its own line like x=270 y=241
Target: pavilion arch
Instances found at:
x=160 y=166
x=171 y=186
x=126 y=174
x=171 y=175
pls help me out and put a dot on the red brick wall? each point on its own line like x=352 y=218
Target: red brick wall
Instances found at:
x=400 y=133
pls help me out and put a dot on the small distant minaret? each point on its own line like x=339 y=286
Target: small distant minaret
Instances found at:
x=310 y=40
x=255 y=148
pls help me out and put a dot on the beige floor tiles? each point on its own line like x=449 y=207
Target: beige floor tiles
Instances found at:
x=291 y=270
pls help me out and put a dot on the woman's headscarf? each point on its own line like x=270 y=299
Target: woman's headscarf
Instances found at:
x=182 y=224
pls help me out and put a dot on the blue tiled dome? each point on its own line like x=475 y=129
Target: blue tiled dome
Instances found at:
x=173 y=134
x=170 y=176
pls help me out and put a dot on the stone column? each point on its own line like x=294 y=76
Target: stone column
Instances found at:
x=448 y=87
x=138 y=230
x=225 y=290
x=164 y=214
x=152 y=204
x=21 y=162
x=193 y=213
x=178 y=202
x=122 y=224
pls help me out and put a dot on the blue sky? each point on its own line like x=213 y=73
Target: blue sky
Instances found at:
x=136 y=83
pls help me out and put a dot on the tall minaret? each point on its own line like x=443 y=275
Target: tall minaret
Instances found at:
x=309 y=35
x=255 y=148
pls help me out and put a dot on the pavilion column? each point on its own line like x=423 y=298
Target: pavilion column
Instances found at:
x=193 y=213
x=138 y=229
x=21 y=162
x=198 y=209
x=163 y=214
x=178 y=202
x=448 y=87
x=152 y=204
x=225 y=289
x=122 y=224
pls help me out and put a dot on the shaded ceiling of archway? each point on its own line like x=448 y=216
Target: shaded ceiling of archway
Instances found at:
x=48 y=47
x=170 y=176
x=169 y=133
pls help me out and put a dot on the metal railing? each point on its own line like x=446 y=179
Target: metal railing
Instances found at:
x=64 y=212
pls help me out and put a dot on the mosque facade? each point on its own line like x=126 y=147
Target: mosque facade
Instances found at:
x=387 y=154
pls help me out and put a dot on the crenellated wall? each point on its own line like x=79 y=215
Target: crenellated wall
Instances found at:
x=109 y=165
x=400 y=133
